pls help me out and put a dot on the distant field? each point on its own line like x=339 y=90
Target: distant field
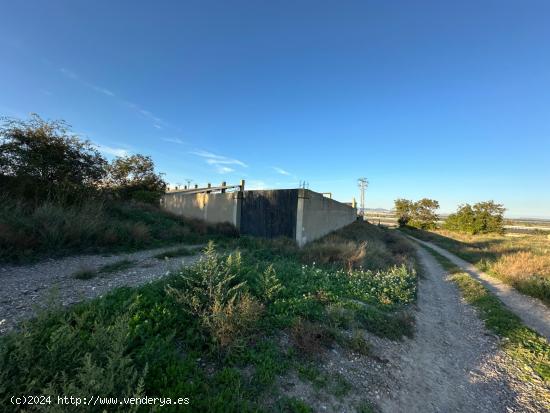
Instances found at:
x=522 y=260
x=520 y=225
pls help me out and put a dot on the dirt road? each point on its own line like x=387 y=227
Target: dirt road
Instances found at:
x=24 y=288
x=453 y=364
x=531 y=311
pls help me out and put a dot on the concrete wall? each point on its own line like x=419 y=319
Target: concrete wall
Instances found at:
x=216 y=207
x=318 y=215
x=299 y=214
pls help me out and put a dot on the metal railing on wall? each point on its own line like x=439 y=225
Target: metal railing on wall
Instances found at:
x=208 y=189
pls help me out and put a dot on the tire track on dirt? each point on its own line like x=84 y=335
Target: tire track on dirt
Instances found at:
x=453 y=364
x=531 y=310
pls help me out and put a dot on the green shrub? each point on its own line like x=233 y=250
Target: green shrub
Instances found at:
x=212 y=293
x=269 y=285
x=483 y=218
x=420 y=214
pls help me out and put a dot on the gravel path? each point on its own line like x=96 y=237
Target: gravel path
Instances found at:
x=26 y=288
x=531 y=311
x=453 y=364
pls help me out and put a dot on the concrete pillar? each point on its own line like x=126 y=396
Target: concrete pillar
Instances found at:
x=301 y=237
x=237 y=206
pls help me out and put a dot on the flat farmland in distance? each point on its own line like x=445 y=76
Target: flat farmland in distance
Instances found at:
x=512 y=225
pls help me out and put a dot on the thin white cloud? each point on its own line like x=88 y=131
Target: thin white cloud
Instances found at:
x=69 y=74
x=102 y=90
x=280 y=171
x=213 y=159
x=173 y=140
x=157 y=122
x=108 y=150
x=224 y=169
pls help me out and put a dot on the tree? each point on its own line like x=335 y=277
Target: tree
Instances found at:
x=403 y=210
x=134 y=177
x=424 y=215
x=42 y=160
x=462 y=220
x=489 y=217
x=420 y=214
x=482 y=218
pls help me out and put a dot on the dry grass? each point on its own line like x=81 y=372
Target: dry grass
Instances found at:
x=522 y=265
x=361 y=245
x=522 y=261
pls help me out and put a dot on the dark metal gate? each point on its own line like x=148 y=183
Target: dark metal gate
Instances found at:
x=269 y=214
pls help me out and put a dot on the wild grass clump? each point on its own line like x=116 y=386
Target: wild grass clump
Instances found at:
x=358 y=344
x=212 y=293
x=311 y=339
x=360 y=245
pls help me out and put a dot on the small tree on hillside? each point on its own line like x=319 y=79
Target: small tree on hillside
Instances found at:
x=134 y=177
x=43 y=160
x=420 y=214
x=482 y=218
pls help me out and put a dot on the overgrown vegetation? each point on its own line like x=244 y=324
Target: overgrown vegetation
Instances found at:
x=530 y=350
x=215 y=332
x=482 y=218
x=44 y=161
x=521 y=261
x=60 y=195
x=420 y=214
x=52 y=229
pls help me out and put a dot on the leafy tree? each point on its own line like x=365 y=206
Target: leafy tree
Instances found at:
x=482 y=218
x=134 y=177
x=420 y=214
x=462 y=220
x=489 y=217
x=42 y=159
x=403 y=210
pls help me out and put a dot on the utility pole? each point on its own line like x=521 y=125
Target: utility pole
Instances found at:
x=363 y=184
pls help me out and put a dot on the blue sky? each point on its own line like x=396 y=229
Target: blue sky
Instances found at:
x=443 y=99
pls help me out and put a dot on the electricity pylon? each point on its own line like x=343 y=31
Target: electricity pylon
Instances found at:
x=363 y=184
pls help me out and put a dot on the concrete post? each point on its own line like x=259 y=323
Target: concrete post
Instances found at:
x=301 y=238
x=237 y=206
